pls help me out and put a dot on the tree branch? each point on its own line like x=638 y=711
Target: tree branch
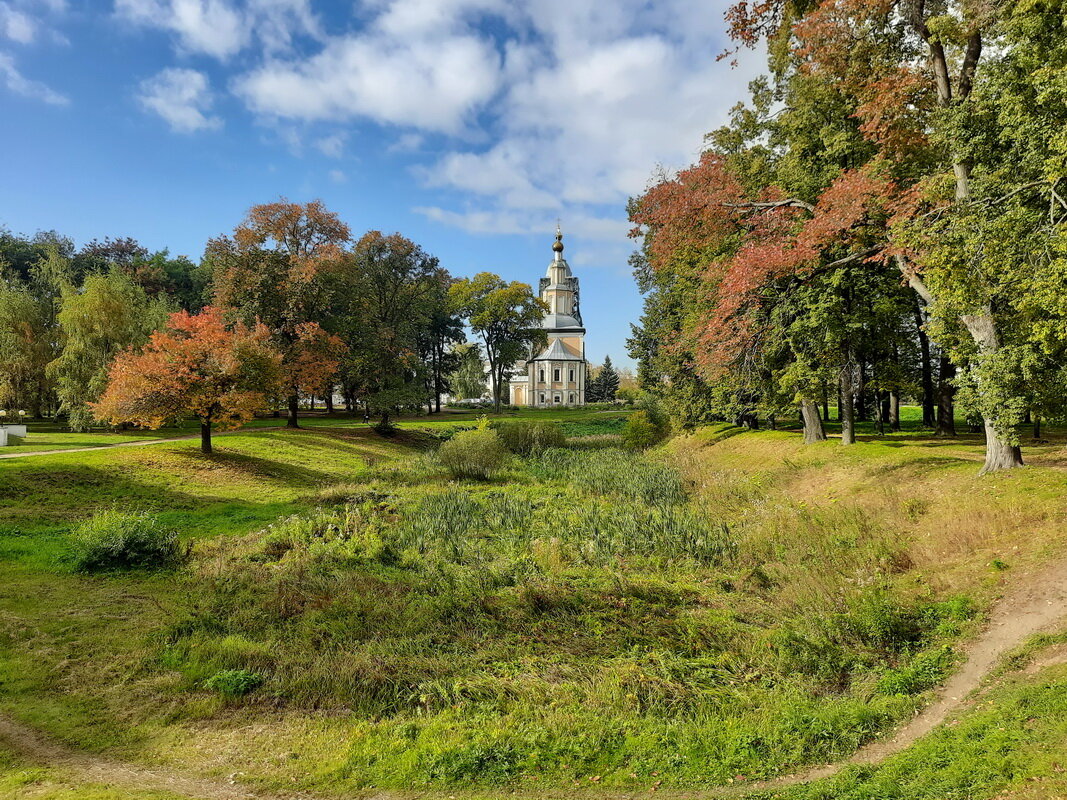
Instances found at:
x=792 y=202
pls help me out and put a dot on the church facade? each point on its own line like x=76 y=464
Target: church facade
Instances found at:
x=557 y=375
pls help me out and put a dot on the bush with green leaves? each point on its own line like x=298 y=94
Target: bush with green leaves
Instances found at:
x=640 y=433
x=114 y=539
x=525 y=437
x=477 y=454
x=234 y=682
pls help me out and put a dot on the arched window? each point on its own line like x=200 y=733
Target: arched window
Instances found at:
x=541 y=377
x=557 y=399
x=555 y=374
x=572 y=397
x=572 y=376
x=542 y=398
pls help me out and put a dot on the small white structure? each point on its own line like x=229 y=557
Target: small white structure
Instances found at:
x=557 y=375
x=7 y=432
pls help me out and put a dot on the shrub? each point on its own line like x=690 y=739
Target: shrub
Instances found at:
x=114 y=539
x=524 y=437
x=639 y=432
x=234 y=682
x=473 y=454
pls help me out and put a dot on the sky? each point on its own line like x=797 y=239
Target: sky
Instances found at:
x=470 y=126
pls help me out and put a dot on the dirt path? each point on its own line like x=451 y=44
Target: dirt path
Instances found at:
x=1036 y=603
x=87 y=768
x=139 y=443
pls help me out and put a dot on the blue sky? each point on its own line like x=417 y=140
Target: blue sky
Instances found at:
x=468 y=125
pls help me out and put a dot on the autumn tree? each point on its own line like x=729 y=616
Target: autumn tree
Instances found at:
x=108 y=314
x=198 y=366
x=274 y=271
x=949 y=100
x=506 y=316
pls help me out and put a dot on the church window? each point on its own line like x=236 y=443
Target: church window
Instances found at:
x=542 y=398
x=542 y=379
x=557 y=399
x=555 y=374
x=572 y=376
x=572 y=397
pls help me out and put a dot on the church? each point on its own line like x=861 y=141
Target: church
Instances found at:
x=556 y=376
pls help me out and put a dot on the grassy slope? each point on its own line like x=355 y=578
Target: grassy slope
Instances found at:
x=67 y=640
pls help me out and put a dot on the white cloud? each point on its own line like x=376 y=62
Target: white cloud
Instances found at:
x=222 y=28
x=332 y=146
x=547 y=106
x=395 y=71
x=16 y=82
x=337 y=176
x=16 y=25
x=182 y=97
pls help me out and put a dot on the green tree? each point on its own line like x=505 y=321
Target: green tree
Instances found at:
x=392 y=290
x=107 y=315
x=468 y=378
x=607 y=381
x=506 y=316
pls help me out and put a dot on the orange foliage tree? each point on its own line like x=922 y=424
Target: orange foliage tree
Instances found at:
x=197 y=366
x=272 y=272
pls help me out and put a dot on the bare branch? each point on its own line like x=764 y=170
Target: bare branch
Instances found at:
x=790 y=203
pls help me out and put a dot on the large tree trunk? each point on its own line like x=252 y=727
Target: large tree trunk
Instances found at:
x=825 y=404
x=999 y=452
x=880 y=409
x=205 y=437
x=848 y=409
x=929 y=418
x=946 y=392
x=329 y=399
x=294 y=411
x=813 y=429
x=894 y=410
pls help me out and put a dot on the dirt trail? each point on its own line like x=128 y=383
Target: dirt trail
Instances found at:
x=140 y=443
x=87 y=768
x=1036 y=603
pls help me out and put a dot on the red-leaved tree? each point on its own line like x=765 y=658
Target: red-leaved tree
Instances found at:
x=198 y=366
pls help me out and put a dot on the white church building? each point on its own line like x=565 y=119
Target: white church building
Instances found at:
x=556 y=376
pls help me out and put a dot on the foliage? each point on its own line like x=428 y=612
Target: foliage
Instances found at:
x=639 y=432
x=478 y=454
x=468 y=379
x=526 y=436
x=506 y=315
x=234 y=682
x=114 y=539
x=110 y=313
x=197 y=366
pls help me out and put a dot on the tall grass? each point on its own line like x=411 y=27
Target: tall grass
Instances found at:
x=589 y=616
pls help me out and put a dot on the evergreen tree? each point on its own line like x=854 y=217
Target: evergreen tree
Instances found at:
x=607 y=381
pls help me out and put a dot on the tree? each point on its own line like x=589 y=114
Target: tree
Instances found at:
x=439 y=332
x=274 y=271
x=29 y=335
x=506 y=315
x=961 y=132
x=390 y=294
x=109 y=314
x=197 y=366
x=608 y=381
x=468 y=379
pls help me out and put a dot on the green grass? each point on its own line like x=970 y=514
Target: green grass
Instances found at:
x=732 y=604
